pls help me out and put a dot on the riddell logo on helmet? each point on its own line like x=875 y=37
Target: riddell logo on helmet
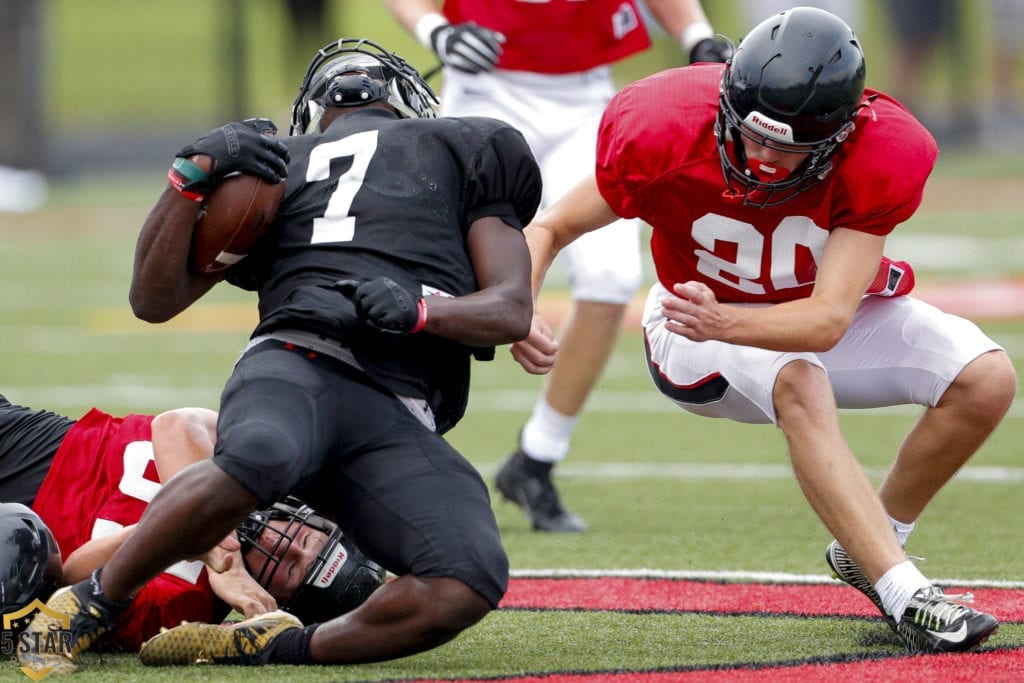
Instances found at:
x=330 y=570
x=770 y=127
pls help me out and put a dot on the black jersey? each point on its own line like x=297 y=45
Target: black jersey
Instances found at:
x=375 y=195
x=29 y=440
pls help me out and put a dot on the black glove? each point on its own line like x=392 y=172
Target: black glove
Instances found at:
x=467 y=47
x=241 y=147
x=711 y=50
x=385 y=306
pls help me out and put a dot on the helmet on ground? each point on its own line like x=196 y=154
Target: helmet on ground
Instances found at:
x=352 y=72
x=30 y=561
x=339 y=580
x=794 y=84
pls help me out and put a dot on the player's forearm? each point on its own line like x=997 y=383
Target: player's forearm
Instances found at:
x=491 y=317
x=676 y=16
x=162 y=284
x=92 y=555
x=541 y=242
x=581 y=210
x=409 y=12
x=802 y=325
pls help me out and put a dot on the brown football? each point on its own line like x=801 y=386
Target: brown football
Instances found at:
x=233 y=217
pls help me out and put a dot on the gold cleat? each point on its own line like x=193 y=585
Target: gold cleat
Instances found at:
x=67 y=625
x=245 y=642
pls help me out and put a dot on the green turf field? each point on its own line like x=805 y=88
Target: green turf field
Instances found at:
x=659 y=488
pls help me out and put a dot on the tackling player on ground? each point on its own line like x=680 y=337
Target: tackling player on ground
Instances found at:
x=771 y=185
x=88 y=481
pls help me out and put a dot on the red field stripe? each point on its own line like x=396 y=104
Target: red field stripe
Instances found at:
x=1007 y=665
x=614 y=593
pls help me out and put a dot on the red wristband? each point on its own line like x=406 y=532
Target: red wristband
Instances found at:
x=421 y=307
x=178 y=182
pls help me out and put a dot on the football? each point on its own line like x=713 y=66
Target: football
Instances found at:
x=232 y=218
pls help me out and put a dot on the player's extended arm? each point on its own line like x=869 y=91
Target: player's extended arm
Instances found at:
x=92 y=555
x=467 y=47
x=685 y=19
x=580 y=211
x=498 y=313
x=816 y=323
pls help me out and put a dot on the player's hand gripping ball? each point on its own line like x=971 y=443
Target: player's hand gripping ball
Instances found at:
x=241 y=206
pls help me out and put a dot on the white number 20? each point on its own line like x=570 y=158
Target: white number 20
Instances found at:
x=792 y=234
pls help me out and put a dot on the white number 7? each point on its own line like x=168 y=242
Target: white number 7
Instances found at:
x=336 y=225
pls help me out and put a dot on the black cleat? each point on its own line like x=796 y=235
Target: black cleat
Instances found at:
x=527 y=483
x=934 y=622
x=846 y=570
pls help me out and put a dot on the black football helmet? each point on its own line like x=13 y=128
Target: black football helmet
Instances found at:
x=339 y=580
x=352 y=72
x=794 y=84
x=30 y=561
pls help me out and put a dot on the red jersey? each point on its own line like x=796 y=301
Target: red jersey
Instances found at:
x=657 y=159
x=557 y=36
x=101 y=480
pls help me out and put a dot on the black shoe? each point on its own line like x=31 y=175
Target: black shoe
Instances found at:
x=527 y=483
x=846 y=570
x=933 y=622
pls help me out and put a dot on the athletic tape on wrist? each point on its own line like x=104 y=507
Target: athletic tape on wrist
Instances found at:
x=189 y=170
x=425 y=27
x=178 y=182
x=693 y=34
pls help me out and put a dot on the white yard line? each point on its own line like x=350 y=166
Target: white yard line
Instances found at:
x=729 y=576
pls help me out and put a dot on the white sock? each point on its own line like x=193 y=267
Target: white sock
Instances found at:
x=547 y=433
x=902 y=530
x=898 y=585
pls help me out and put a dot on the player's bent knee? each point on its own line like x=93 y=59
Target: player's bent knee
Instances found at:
x=798 y=388
x=987 y=385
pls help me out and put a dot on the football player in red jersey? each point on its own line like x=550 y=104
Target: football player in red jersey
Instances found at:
x=770 y=184
x=544 y=68
x=90 y=480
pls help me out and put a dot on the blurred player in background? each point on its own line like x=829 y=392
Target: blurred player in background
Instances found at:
x=90 y=480
x=396 y=257
x=770 y=203
x=544 y=68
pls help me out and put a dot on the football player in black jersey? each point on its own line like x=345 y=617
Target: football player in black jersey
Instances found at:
x=396 y=256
